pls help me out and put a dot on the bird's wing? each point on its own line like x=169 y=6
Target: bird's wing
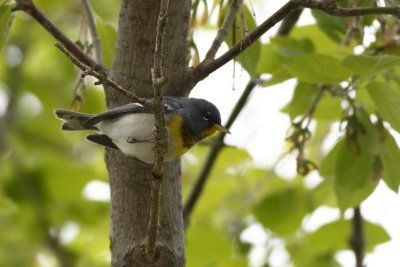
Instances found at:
x=171 y=103
x=116 y=112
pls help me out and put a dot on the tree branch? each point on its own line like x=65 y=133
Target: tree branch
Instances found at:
x=300 y=134
x=331 y=8
x=93 y=32
x=75 y=54
x=198 y=187
x=289 y=22
x=103 y=78
x=357 y=241
x=223 y=31
x=160 y=133
x=205 y=68
x=29 y=7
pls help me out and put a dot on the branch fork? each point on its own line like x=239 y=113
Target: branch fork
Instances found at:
x=210 y=64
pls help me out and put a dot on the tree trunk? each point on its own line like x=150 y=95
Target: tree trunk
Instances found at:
x=130 y=181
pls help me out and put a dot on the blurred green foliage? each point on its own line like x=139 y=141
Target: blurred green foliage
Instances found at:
x=44 y=213
x=48 y=218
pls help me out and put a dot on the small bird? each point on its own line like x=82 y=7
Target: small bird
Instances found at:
x=129 y=128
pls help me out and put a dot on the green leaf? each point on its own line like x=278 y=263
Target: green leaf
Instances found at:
x=108 y=37
x=318 y=248
x=273 y=54
x=303 y=96
x=327 y=166
x=323 y=195
x=387 y=102
x=364 y=98
x=279 y=48
x=5 y=22
x=282 y=211
x=249 y=58
x=281 y=74
x=333 y=27
x=370 y=131
x=354 y=177
x=375 y=234
x=328 y=108
x=320 y=41
x=317 y=68
x=270 y=63
x=370 y=65
x=338 y=233
x=390 y=156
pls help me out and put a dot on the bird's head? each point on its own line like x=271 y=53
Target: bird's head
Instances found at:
x=205 y=118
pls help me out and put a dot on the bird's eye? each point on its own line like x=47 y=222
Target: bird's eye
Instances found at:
x=207 y=116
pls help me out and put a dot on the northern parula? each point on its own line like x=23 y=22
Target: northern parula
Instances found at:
x=129 y=128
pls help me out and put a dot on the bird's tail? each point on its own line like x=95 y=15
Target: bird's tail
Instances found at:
x=72 y=120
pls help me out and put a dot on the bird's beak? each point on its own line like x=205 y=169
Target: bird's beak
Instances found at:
x=221 y=128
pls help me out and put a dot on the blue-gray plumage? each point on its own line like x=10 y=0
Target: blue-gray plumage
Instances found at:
x=129 y=128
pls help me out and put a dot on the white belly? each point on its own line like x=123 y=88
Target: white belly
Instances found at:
x=127 y=129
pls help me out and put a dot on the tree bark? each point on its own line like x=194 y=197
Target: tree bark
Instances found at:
x=130 y=182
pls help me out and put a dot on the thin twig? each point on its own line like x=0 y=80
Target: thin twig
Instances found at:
x=103 y=78
x=331 y=8
x=159 y=81
x=198 y=187
x=245 y=30
x=78 y=100
x=206 y=68
x=93 y=32
x=223 y=31
x=76 y=55
x=29 y=7
x=289 y=22
x=153 y=225
x=357 y=241
x=300 y=134
x=160 y=133
x=311 y=110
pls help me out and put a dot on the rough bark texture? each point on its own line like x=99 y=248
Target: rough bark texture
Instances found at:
x=130 y=181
